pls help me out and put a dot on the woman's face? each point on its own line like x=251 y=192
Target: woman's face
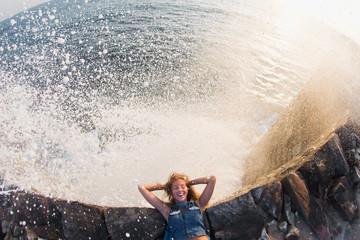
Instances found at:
x=179 y=191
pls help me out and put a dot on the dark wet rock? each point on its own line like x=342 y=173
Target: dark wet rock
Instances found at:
x=336 y=223
x=134 y=223
x=207 y=224
x=357 y=194
x=5 y=228
x=305 y=231
x=354 y=174
x=239 y=218
x=343 y=198
x=19 y=231
x=293 y=234
x=28 y=211
x=257 y=193
x=288 y=214
x=306 y=204
x=327 y=163
x=349 y=136
x=81 y=221
x=310 y=172
x=352 y=231
x=264 y=235
x=270 y=198
x=353 y=157
x=273 y=231
x=338 y=161
x=283 y=226
x=3 y=211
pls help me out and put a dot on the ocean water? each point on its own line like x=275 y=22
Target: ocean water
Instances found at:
x=100 y=95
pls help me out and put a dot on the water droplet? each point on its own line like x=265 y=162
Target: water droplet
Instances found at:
x=66 y=80
x=61 y=40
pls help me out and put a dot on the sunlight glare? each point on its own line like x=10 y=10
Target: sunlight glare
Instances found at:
x=340 y=15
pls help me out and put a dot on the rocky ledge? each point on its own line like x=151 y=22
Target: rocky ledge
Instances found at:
x=317 y=201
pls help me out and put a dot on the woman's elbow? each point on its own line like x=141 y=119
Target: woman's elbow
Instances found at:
x=141 y=186
x=213 y=178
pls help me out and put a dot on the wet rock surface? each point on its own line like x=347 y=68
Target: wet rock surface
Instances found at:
x=343 y=198
x=305 y=203
x=270 y=199
x=26 y=214
x=239 y=218
x=80 y=221
x=318 y=201
x=134 y=223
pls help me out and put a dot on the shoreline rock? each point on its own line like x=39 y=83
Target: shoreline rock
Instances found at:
x=318 y=201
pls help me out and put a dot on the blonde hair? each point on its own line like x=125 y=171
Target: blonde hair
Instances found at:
x=192 y=194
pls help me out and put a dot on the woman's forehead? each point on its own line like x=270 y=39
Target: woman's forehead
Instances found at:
x=179 y=182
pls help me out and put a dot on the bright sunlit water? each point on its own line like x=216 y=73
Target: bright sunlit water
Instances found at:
x=100 y=95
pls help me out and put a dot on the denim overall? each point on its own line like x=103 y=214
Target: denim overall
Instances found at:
x=182 y=227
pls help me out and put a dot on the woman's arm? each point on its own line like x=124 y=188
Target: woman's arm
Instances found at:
x=161 y=206
x=208 y=190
